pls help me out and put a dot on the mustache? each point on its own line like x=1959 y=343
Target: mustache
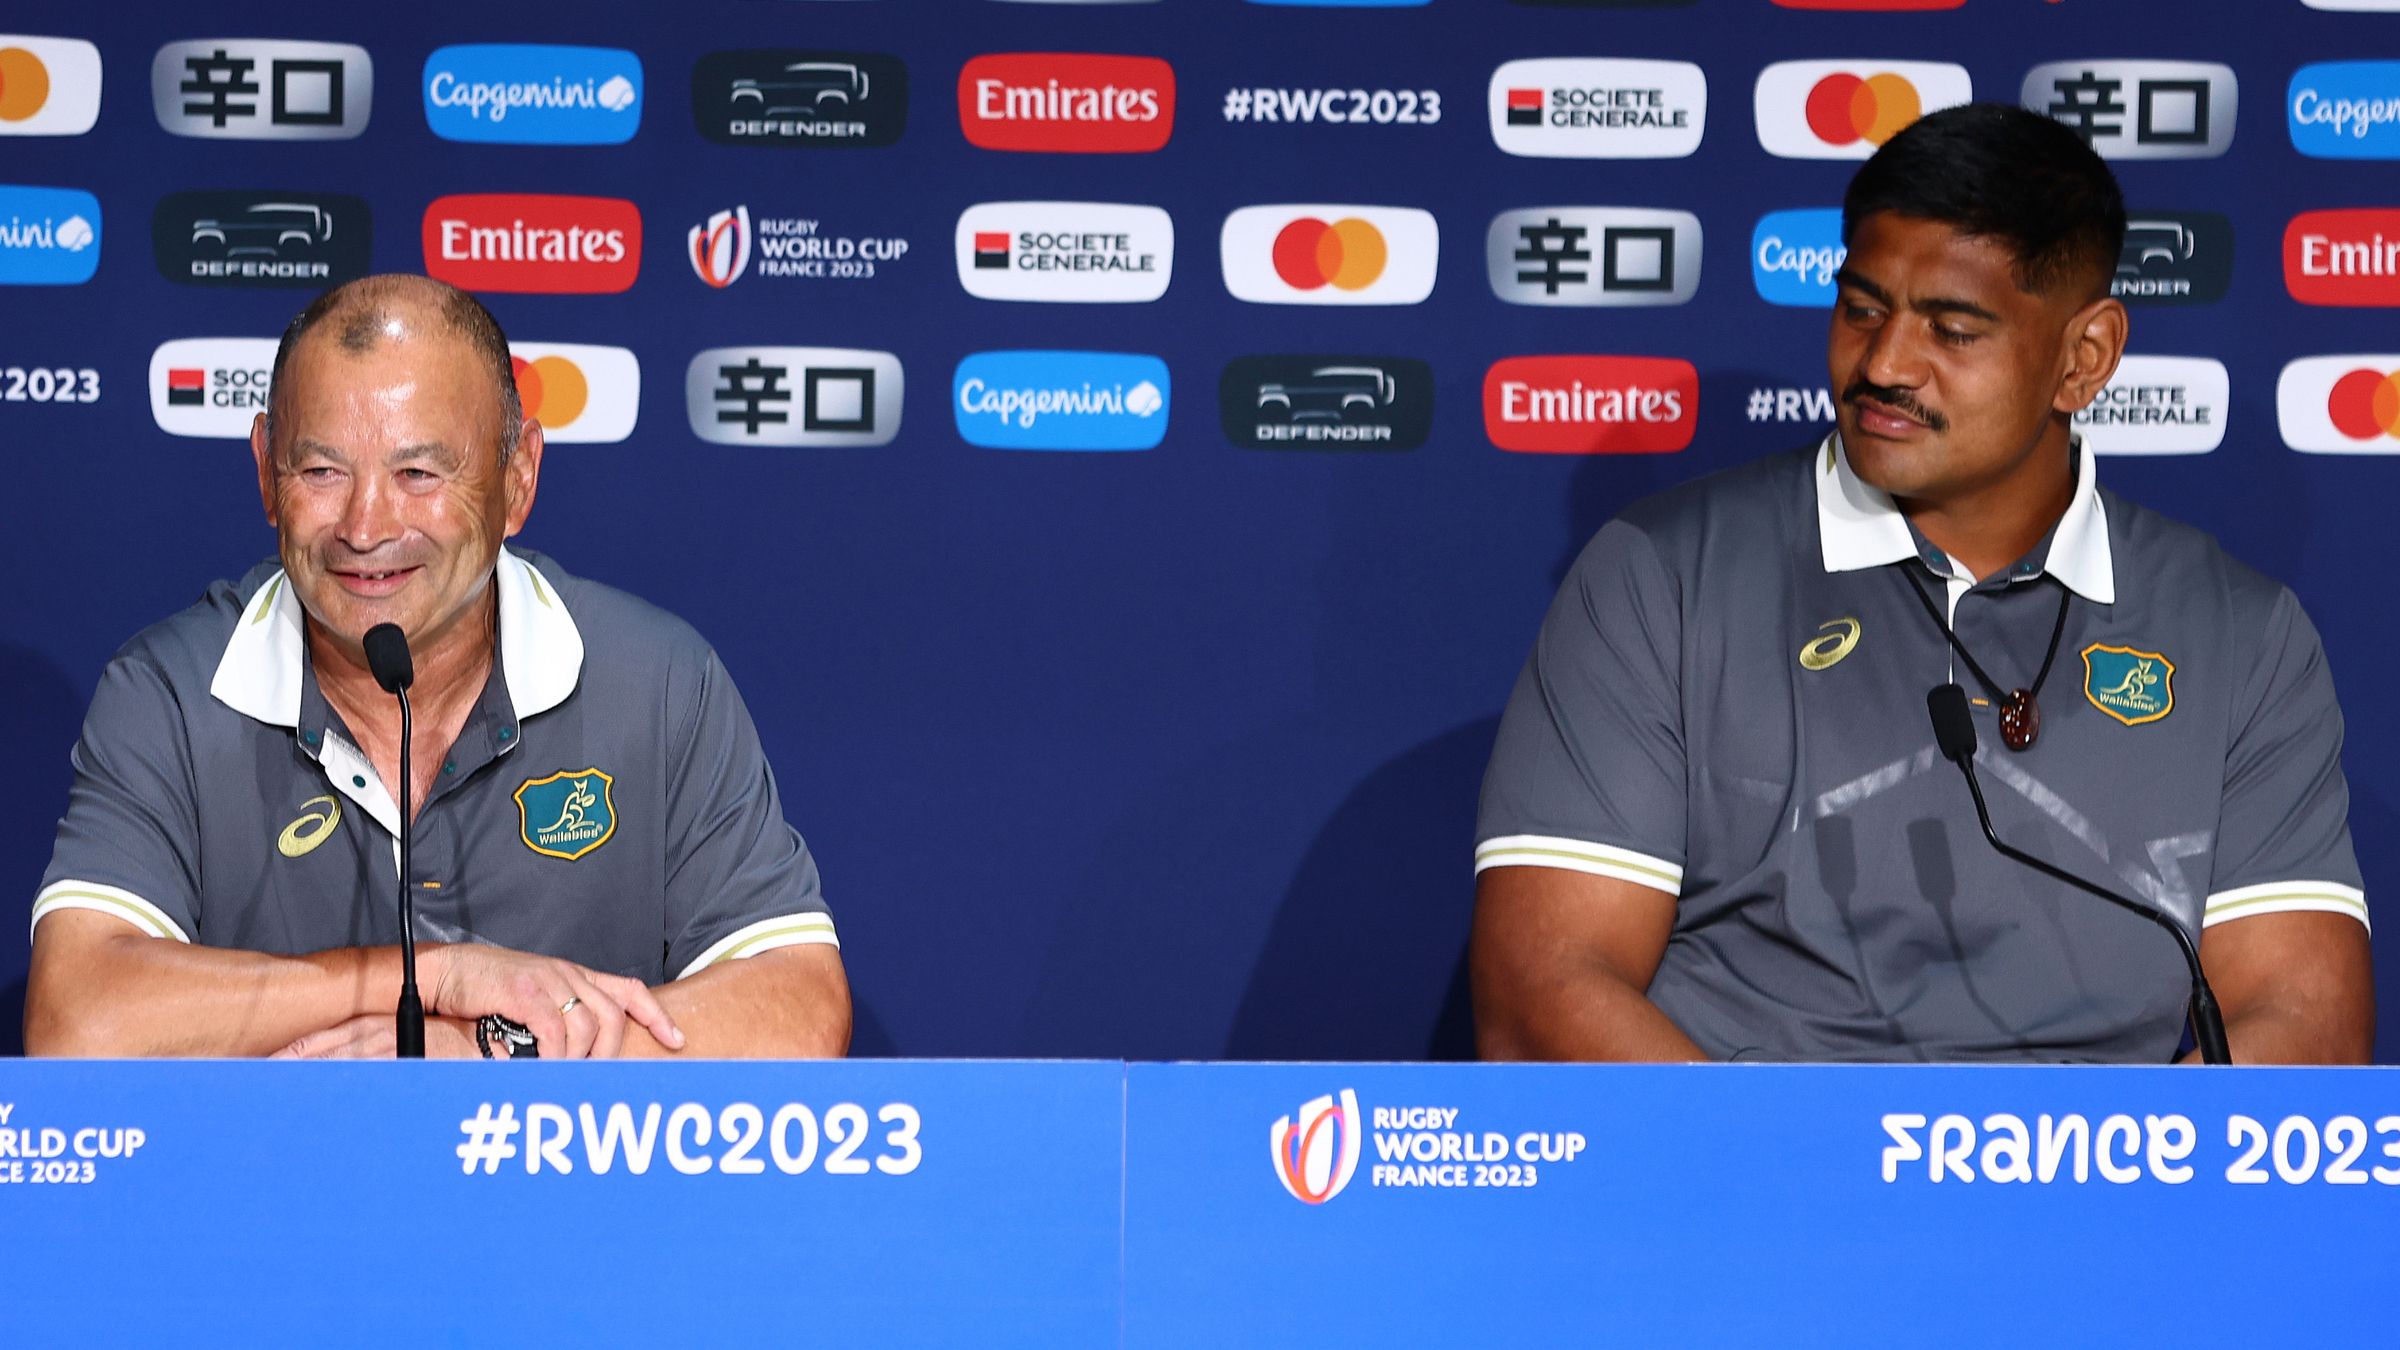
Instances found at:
x=1899 y=400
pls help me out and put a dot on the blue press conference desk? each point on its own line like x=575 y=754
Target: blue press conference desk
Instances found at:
x=1104 y=1204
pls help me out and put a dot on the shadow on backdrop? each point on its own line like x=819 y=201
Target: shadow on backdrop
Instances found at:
x=45 y=712
x=1366 y=958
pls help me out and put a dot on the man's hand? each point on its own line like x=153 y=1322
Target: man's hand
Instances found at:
x=374 y=1036
x=574 y=1013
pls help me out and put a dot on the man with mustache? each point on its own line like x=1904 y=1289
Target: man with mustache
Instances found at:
x=1715 y=825
x=601 y=861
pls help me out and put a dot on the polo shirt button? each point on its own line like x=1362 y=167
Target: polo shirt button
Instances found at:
x=449 y=766
x=309 y=736
x=508 y=733
x=357 y=782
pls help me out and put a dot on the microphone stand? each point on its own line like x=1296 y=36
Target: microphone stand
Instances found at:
x=1954 y=729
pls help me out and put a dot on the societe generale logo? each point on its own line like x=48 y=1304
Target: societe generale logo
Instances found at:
x=1316 y=1149
x=582 y=394
x=2341 y=405
x=210 y=387
x=2343 y=257
x=1067 y=102
x=48 y=86
x=1306 y=254
x=1071 y=252
x=1845 y=109
x=2159 y=405
x=1580 y=108
x=1591 y=405
x=517 y=242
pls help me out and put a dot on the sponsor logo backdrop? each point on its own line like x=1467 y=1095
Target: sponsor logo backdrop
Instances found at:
x=1170 y=753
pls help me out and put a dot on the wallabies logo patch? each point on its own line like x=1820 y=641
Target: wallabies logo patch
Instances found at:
x=568 y=814
x=2131 y=686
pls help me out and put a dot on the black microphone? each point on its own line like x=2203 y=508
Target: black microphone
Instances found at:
x=1954 y=732
x=387 y=658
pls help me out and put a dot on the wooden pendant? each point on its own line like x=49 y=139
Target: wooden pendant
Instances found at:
x=2020 y=720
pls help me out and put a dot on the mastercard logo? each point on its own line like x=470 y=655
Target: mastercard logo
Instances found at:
x=1843 y=108
x=24 y=84
x=2342 y=404
x=48 y=86
x=552 y=389
x=1348 y=254
x=579 y=392
x=2365 y=404
x=1308 y=253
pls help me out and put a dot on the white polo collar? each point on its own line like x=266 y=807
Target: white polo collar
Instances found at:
x=541 y=649
x=1859 y=526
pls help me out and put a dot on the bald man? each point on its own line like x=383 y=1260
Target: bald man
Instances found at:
x=601 y=862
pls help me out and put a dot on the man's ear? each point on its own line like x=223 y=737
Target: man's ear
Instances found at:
x=262 y=454
x=521 y=475
x=2095 y=343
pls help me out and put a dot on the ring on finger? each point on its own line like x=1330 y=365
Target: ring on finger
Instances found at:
x=572 y=1003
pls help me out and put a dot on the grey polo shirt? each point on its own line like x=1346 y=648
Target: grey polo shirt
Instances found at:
x=1727 y=703
x=607 y=800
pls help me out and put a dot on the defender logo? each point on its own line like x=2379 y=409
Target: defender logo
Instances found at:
x=2131 y=686
x=578 y=809
x=1327 y=402
x=2177 y=258
x=311 y=239
x=318 y=818
x=815 y=98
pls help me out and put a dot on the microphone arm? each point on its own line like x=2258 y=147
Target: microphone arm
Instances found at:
x=387 y=657
x=1954 y=730
x=409 y=1024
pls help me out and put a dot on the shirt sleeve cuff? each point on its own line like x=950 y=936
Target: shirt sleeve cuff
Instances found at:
x=2285 y=897
x=110 y=900
x=1577 y=855
x=784 y=930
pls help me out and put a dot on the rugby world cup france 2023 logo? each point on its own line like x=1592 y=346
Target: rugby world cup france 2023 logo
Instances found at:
x=1316 y=1150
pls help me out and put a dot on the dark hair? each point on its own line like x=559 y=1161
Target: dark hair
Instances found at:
x=2000 y=172
x=362 y=309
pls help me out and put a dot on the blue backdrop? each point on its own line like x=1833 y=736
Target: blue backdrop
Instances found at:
x=1169 y=754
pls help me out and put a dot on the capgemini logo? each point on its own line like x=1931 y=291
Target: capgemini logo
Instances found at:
x=720 y=249
x=1316 y=1152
